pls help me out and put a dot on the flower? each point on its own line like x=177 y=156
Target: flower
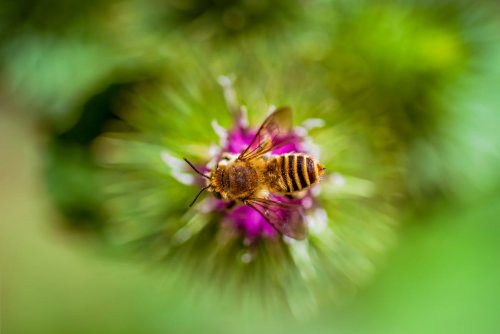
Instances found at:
x=235 y=247
x=244 y=219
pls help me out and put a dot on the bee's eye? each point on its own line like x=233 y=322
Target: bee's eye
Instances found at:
x=217 y=195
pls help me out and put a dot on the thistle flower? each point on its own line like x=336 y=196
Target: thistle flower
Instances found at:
x=236 y=248
x=245 y=219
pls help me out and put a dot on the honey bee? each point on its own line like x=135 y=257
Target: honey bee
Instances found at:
x=252 y=176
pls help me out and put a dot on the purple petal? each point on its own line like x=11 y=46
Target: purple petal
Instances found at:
x=238 y=139
x=293 y=144
x=250 y=222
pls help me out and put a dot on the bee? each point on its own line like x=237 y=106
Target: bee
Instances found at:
x=252 y=177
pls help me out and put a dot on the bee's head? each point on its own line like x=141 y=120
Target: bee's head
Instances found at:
x=216 y=184
x=217 y=179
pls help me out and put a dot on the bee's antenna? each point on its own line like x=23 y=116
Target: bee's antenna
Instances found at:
x=198 y=195
x=194 y=168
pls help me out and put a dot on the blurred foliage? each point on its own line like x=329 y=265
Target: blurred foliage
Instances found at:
x=407 y=90
x=225 y=18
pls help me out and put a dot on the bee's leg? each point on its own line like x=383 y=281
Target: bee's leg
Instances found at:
x=230 y=205
x=289 y=196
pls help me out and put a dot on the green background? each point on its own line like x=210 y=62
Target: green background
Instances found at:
x=417 y=82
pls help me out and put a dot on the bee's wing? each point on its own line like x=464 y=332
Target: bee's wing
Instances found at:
x=270 y=135
x=287 y=218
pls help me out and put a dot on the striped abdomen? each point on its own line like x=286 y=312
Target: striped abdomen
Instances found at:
x=296 y=172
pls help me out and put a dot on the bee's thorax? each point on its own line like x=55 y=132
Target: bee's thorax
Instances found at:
x=236 y=180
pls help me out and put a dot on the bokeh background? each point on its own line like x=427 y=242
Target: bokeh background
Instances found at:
x=408 y=92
